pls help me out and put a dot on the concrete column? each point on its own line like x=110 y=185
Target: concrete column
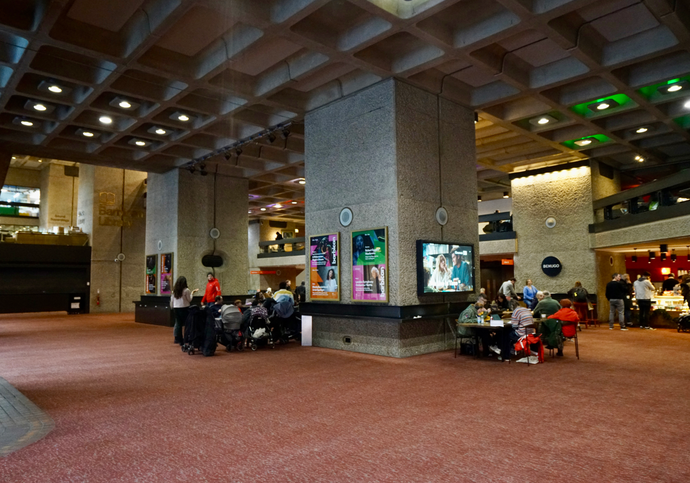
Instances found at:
x=182 y=208
x=394 y=154
x=5 y=159
x=59 y=196
x=565 y=194
x=111 y=210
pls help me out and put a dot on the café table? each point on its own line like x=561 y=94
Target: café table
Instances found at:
x=493 y=328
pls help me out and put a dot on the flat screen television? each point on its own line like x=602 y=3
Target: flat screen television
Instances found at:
x=444 y=267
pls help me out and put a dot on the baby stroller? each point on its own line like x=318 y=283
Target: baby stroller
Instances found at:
x=259 y=331
x=684 y=323
x=228 y=328
x=287 y=323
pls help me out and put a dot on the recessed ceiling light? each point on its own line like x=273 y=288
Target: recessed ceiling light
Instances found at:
x=140 y=143
x=124 y=104
x=542 y=120
x=672 y=86
x=263 y=209
x=641 y=130
x=14 y=157
x=106 y=119
x=639 y=158
x=249 y=211
x=40 y=160
x=55 y=88
x=277 y=205
x=40 y=107
x=161 y=131
x=302 y=181
x=183 y=117
x=87 y=134
x=602 y=105
x=687 y=105
x=26 y=123
x=583 y=142
x=294 y=202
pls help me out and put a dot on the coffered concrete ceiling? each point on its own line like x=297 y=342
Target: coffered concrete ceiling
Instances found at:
x=238 y=67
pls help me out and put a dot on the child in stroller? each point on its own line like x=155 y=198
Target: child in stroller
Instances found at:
x=229 y=328
x=255 y=324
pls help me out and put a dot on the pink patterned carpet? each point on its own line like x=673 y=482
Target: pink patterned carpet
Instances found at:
x=129 y=406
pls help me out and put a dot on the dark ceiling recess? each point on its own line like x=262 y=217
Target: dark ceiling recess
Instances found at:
x=277 y=224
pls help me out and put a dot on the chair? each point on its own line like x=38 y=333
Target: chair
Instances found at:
x=593 y=317
x=551 y=332
x=452 y=324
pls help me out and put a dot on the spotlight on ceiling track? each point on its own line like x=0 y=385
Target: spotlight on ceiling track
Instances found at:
x=238 y=151
x=227 y=155
x=673 y=257
x=271 y=137
x=634 y=257
x=662 y=255
x=191 y=169
x=652 y=255
x=285 y=133
x=202 y=170
x=663 y=247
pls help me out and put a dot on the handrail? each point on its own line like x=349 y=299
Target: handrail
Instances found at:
x=284 y=241
x=645 y=189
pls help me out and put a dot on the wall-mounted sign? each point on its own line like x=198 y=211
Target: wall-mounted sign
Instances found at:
x=262 y=272
x=370 y=265
x=151 y=274
x=551 y=266
x=507 y=261
x=166 y=273
x=324 y=269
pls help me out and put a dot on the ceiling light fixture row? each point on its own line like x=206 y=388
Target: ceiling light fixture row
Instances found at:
x=236 y=147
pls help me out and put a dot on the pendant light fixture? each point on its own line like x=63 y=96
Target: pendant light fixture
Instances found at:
x=634 y=257
x=673 y=255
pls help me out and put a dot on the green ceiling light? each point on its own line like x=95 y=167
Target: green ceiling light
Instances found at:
x=603 y=106
x=586 y=142
x=543 y=120
x=665 y=90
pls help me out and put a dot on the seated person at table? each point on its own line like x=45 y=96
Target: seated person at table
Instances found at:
x=469 y=316
x=546 y=306
x=502 y=302
x=567 y=314
x=521 y=321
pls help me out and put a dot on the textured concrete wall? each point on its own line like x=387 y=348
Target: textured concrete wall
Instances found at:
x=31 y=178
x=608 y=263
x=111 y=210
x=498 y=247
x=59 y=198
x=603 y=186
x=566 y=196
x=657 y=231
x=181 y=209
x=393 y=154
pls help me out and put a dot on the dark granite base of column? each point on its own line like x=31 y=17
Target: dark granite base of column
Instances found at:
x=384 y=337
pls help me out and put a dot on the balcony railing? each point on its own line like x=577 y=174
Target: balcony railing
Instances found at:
x=287 y=247
x=659 y=200
x=498 y=226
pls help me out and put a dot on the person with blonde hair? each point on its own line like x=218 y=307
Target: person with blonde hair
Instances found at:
x=441 y=275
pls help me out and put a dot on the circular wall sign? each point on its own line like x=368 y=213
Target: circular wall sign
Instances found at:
x=345 y=216
x=551 y=266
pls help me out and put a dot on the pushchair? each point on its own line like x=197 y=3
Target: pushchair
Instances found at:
x=228 y=328
x=287 y=324
x=259 y=332
x=684 y=323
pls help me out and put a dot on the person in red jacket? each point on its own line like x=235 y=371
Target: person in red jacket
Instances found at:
x=212 y=290
x=569 y=318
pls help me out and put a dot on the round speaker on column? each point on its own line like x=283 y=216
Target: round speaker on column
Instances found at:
x=345 y=217
x=214 y=233
x=442 y=216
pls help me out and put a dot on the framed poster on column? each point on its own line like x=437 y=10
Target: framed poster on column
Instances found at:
x=324 y=267
x=151 y=275
x=370 y=265
x=166 y=273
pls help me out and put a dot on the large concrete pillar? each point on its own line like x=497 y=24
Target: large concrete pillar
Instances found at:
x=182 y=208
x=393 y=154
x=59 y=196
x=111 y=210
x=564 y=194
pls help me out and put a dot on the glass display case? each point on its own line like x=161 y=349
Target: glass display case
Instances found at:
x=674 y=303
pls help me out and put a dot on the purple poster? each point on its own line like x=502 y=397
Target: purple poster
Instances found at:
x=324 y=274
x=370 y=265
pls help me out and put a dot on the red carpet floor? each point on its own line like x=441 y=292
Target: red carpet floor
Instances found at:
x=129 y=406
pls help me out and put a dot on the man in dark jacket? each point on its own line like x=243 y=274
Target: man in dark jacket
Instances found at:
x=615 y=293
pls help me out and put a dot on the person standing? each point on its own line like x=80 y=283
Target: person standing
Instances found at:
x=627 y=301
x=529 y=295
x=212 y=290
x=669 y=283
x=508 y=289
x=179 y=303
x=578 y=295
x=644 y=291
x=685 y=289
x=615 y=293
x=301 y=293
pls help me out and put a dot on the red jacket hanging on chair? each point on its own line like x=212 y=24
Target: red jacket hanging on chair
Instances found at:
x=212 y=290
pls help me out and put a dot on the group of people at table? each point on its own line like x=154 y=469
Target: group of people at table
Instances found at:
x=521 y=323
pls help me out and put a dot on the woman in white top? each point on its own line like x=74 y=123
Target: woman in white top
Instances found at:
x=179 y=302
x=441 y=276
x=331 y=282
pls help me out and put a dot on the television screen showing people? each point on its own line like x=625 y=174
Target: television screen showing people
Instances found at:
x=444 y=267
